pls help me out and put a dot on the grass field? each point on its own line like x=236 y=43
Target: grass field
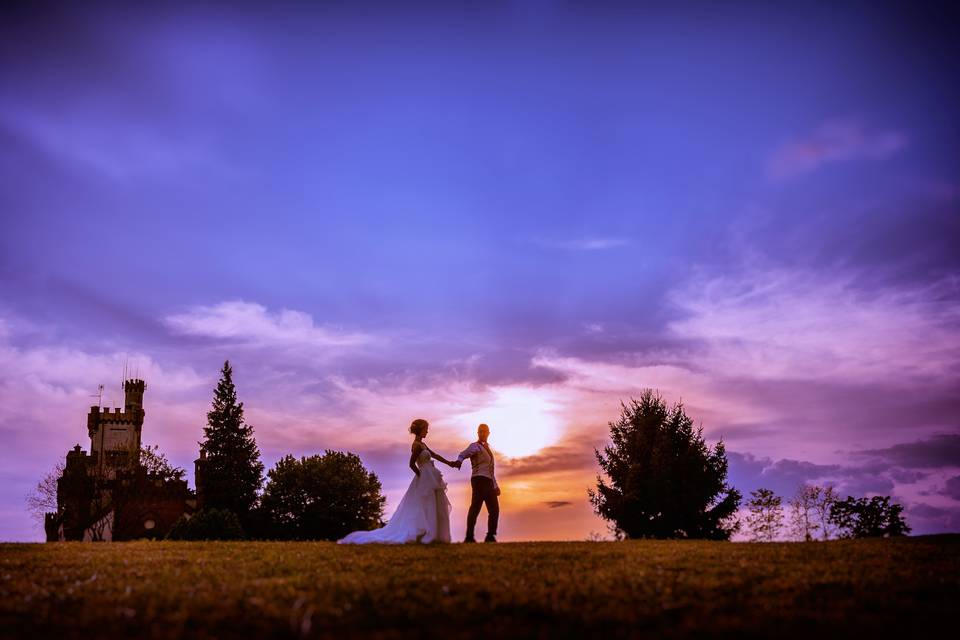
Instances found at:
x=573 y=589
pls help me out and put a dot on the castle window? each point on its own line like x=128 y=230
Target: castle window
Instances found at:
x=149 y=524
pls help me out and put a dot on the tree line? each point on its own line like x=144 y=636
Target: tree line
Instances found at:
x=817 y=513
x=317 y=497
x=659 y=479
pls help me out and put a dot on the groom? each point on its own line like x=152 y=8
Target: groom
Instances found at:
x=484 y=484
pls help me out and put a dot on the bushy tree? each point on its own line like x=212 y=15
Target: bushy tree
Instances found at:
x=321 y=497
x=662 y=480
x=868 y=518
x=766 y=515
x=233 y=473
x=207 y=524
x=156 y=466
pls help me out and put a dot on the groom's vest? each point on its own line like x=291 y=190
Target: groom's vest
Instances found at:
x=481 y=462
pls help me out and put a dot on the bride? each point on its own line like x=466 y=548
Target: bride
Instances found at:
x=423 y=514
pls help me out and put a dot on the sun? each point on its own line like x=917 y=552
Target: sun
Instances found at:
x=522 y=421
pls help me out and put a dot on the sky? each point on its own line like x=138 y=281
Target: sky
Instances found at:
x=522 y=213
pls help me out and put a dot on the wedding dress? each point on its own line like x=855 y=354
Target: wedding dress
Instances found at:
x=423 y=514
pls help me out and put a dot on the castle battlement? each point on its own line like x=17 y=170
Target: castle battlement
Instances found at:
x=107 y=410
x=135 y=385
x=117 y=417
x=113 y=428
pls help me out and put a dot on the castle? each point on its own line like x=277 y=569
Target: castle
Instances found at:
x=109 y=494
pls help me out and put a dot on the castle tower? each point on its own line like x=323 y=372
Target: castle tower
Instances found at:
x=133 y=395
x=115 y=436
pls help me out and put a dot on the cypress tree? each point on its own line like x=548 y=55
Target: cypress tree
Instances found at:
x=233 y=474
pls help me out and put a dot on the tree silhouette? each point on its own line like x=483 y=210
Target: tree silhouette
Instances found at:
x=321 y=497
x=42 y=499
x=663 y=481
x=823 y=500
x=766 y=515
x=873 y=518
x=803 y=524
x=233 y=473
x=157 y=467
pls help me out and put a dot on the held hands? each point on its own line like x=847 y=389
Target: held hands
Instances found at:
x=456 y=464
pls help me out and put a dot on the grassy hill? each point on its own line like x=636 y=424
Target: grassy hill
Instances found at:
x=544 y=589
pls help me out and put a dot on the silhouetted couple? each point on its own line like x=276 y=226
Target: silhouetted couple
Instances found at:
x=423 y=514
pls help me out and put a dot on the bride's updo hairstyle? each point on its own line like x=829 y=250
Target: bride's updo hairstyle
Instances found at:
x=418 y=426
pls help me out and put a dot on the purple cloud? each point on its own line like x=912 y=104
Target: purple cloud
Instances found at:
x=248 y=322
x=785 y=476
x=927 y=518
x=749 y=473
x=952 y=488
x=834 y=142
x=942 y=450
x=805 y=324
x=587 y=243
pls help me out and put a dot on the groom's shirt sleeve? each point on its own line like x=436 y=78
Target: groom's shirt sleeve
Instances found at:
x=468 y=452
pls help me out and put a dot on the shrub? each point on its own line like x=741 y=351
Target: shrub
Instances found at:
x=207 y=524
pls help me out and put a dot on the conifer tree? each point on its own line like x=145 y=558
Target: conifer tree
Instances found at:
x=233 y=473
x=662 y=479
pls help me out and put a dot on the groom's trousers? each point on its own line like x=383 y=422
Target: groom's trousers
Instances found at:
x=483 y=494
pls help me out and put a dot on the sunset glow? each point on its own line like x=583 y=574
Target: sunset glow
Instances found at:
x=522 y=421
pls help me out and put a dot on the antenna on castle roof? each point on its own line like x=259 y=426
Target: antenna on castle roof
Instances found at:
x=98 y=395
